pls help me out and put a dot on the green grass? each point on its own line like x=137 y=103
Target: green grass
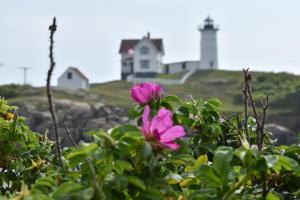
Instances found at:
x=173 y=76
x=282 y=88
x=224 y=85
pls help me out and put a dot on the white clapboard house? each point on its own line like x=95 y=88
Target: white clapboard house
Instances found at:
x=73 y=79
x=142 y=58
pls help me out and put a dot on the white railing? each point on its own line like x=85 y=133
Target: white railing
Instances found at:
x=133 y=79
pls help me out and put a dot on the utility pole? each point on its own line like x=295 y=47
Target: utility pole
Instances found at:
x=25 y=69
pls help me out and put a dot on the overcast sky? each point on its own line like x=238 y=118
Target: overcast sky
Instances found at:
x=261 y=34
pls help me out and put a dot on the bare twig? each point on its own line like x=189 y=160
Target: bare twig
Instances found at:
x=259 y=123
x=52 y=29
x=69 y=134
x=263 y=120
x=246 y=104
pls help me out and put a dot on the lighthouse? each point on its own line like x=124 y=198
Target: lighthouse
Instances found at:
x=208 y=45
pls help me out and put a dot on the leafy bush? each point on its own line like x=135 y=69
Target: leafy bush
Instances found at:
x=291 y=100
x=214 y=161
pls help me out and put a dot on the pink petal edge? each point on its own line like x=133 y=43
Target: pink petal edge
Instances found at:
x=146 y=120
x=171 y=145
x=172 y=133
x=162 y=121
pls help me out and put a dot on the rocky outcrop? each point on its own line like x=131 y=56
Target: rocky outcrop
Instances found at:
x=80 y=117
x=282 y=134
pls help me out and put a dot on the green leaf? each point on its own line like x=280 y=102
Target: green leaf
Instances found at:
x=44 y=184
x=79 y=155
x=71 y=190
x=214 y=102
x=271 y=160
x=287 y=163
x=136 y=182
x=121 y=130
x=120 y=166
x=222 y=159
x=272 y=196
x=102 y=134
x=153 y=194
x=203 y=159
x=170 y=102
x=208 y=176
x=173 y=178
x=121 y=183
x=75 y=158
x=184 y=111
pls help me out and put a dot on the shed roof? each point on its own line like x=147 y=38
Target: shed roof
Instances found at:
x=79 y=73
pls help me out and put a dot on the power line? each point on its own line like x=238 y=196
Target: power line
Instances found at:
x=25 y=69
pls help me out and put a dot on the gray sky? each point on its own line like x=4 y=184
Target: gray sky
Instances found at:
x=261 y=34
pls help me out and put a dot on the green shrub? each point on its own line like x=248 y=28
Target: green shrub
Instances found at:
x=214 y=161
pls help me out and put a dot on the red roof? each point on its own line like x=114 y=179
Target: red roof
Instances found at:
x=130 y=44
x=79 y=73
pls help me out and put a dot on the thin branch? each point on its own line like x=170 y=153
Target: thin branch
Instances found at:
x=52 y=29
x=262 y=125
x=259 y=124
x=246 y=104
x=69 y=134
x=251 y=97
x=248 y=90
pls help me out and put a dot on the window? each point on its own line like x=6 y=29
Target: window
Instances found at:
x=69 y=75
x=167 y=69
x=184 y=66
x=131 y=67
x=211 y=64
x=145 y=64
x=144 y=50
x=124 y=64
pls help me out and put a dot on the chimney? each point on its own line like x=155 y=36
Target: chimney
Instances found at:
x=148 y=35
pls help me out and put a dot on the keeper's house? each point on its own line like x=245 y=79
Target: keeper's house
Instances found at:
x=73 y=79
x=141 y=57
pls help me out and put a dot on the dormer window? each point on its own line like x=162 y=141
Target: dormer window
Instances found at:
x=144 y=50
x=69 y=75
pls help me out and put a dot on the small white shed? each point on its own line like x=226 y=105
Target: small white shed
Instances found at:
x=73 y=79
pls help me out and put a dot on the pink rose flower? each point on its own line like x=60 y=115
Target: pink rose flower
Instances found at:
x=160 y=129
x=145 y=92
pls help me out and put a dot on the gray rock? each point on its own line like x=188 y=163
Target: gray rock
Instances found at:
x=81 y=117
x=98 y=105
x=96 y=123
x=283 y=134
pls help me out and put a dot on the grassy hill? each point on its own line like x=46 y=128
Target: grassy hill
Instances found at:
x=283 y=90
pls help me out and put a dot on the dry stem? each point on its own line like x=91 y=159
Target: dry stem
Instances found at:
x=52 y=29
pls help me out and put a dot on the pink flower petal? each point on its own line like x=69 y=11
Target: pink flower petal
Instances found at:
x=143 y=93
x=161 y=122
x=155 y=89
x=171 y=145
x=146 y=120
x=171 y=134
x=140 y=94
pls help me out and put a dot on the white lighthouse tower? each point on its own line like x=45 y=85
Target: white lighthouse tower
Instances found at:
x=208 y=45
